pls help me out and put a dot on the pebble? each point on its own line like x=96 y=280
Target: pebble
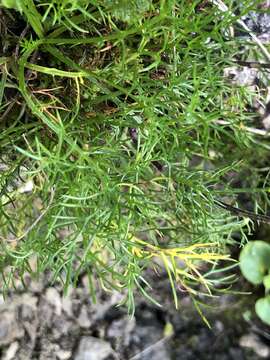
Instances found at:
x=83 y=319
x=53 y=297
x=11 y=351
x=9 y=328
x=253 y=341
x=91 y=348
x=63 y=354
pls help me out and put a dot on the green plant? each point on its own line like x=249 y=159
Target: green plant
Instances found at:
x=114 y=121
x=11 y=4
x=255 y=266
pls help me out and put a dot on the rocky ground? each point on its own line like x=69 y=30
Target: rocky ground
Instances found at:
x=40 y=323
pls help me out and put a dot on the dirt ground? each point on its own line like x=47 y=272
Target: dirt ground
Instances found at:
x=40 y=323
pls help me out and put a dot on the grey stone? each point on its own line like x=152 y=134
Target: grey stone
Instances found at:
x=259 y=23
x=11 y=351
x=83 y=319
x=253 y=341
x=54 y=299
x=121 y=330
x=10 y=329
x=63 y=354
x=91 y=348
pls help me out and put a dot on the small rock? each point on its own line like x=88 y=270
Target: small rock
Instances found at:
x=121 y=330
x=53 y=297
x=67 y=302
x=28 y=315
x=3 y=167
x=45 y=312
x=257 y=22
x=219 y=326
x=61 y=327
x=63 y=354
x=48 y=350
x=266 y=122
x=26 y=187
x=28 y=307
x=253 y=341
x=241 y=76
x=91 y=348
x=10 y=329
x=157 y=351
x=11 y=351
x=83 y=319
x=2 y=300
x=36 y=286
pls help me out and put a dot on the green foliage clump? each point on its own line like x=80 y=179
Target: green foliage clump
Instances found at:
x=255 y=266
x=119 y=120
x=11 y=4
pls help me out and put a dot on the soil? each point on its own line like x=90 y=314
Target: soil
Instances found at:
x=41 y=323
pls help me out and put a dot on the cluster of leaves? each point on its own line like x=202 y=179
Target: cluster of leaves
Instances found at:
x=110 y=111
x=255 y=266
